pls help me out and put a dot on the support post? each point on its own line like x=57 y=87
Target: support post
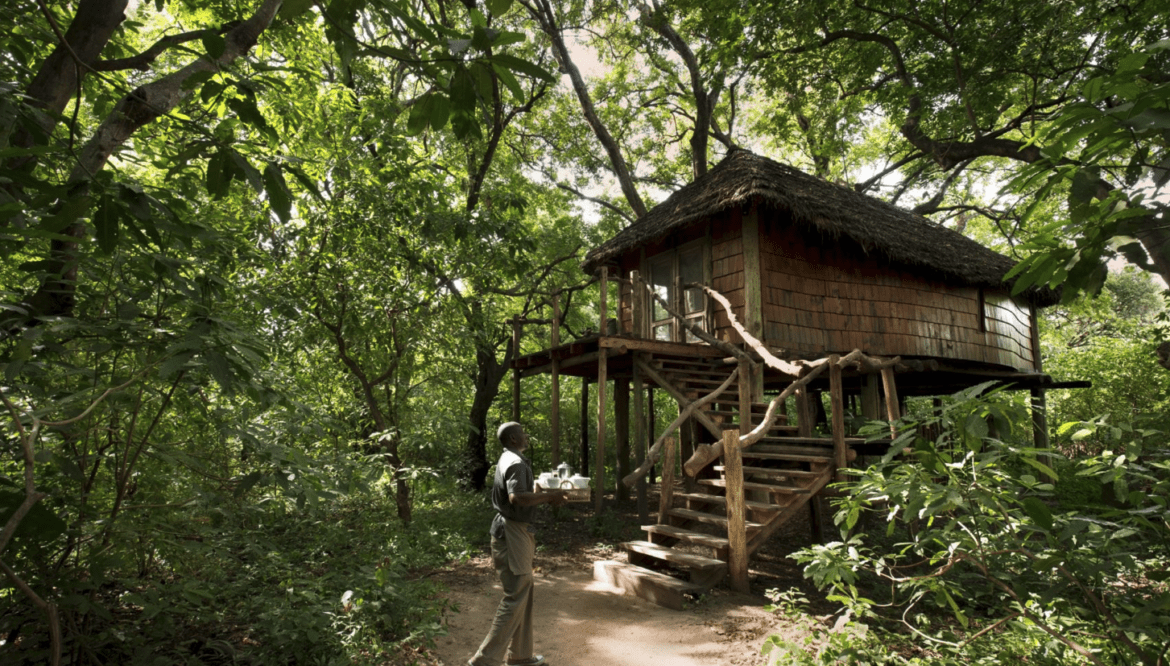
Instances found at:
x=640 y=442
x=554 y=416
x=651 y=424
x=584 y=426
x=621 y=424
x=602 y=357
x=837 y=400
x=515 y=369
x=816 y=521
x=637 y=293
x=1040 y=422
x=1039 y=400
x=686 y=440
x=737 y=556
x=680 y=333
x=745 y=397
x=666 y=489
x=871 y=399
x=893 y=412
x=804 y=413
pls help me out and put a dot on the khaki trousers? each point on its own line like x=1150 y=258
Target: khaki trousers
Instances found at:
x=512 y=627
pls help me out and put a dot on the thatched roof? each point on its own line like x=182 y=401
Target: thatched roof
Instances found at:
x=904 y=238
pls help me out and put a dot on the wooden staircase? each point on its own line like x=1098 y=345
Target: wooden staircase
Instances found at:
x=782 y=472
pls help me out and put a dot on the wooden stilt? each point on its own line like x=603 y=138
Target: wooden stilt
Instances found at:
x=651 y=424
x=804 y=413
x=737 y=555
x=816 y=521
x=599 y=447
x=1040 y=422
x=745 y=397
x=516 y=371
x=686 y=437
x=893 y=412
x=871 y=399
x=554 y=417
x=602 y=369
x=837 y=401
x=638 y=321
x=640 y=443
x=621 y=426
x=666 y=490
x=584 y=426
x=1039 y=400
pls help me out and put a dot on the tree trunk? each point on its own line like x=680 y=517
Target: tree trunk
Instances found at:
x=57 y=79
x=140 y=107
x=488 y=374
x=401 y=489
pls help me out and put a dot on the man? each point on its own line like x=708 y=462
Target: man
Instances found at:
x=513 y=546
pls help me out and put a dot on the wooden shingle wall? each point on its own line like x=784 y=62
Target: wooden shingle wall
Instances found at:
x=821 y=296
x=823 y=299
x=727 y=271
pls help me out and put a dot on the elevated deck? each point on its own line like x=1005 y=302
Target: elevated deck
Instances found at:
x=916 y=376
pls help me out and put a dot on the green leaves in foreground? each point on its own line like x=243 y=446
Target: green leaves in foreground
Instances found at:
x=982 y=533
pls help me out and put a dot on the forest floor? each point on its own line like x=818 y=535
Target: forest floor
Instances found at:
x=583 y=622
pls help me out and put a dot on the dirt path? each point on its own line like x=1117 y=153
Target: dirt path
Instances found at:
x=582 y=622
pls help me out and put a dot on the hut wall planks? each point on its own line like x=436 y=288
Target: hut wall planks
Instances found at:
x=827 y=297
x=727 y=269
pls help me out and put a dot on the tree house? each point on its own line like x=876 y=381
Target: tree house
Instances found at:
x=756 y=280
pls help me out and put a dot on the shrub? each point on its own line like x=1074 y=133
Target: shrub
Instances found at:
x=984 y=560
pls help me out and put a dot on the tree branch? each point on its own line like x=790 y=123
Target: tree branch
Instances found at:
x=542 y=11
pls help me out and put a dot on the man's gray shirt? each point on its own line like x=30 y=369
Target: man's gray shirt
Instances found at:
x=513 y=475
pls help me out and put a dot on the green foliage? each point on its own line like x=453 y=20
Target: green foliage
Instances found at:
x=984 y=560
x=1119 y=122
x=257 y=583
x=1109 y=340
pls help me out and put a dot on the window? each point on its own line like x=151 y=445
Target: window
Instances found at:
x=662 y=282
x=688 y=265
x=694 y=305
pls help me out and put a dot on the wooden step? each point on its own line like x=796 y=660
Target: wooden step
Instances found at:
x=703 y=571
x=722 y=501
x=778 y=471
x=816 y=441
x=773 y=488
x=792 y=457
x=703 y=363
x=700 y=378
x=697 y=538
x=778 y=430
x=709 y=518
x=695 y=371
x=650 y=585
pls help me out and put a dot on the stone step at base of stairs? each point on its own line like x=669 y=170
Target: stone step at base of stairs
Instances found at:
x=650 y=585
